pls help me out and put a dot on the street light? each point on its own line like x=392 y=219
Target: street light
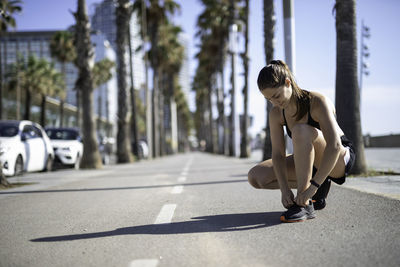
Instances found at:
x=364 y=53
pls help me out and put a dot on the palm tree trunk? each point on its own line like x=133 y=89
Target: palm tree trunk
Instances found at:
x=211 y=143
x=28 y=102
x=269 y=27
x=63 y=66
x=62 y=102
x=78 y=107
x=43 y=111
x=123 y=143
x=161 y=120
x=156 y=119
x=232 y=141
x=3 y=180
x=1 y=83
x=91 y=157
x=244 y=153
x=135 y=139
x=347 y=93
x=149 y=120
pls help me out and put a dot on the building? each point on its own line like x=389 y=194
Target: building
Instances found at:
x=37 y=43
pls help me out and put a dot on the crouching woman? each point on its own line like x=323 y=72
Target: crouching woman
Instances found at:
x=321 y=151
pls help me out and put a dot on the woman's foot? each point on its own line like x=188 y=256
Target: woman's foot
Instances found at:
x=298 y=213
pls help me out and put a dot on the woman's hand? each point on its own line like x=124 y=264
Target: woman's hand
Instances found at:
x=302 y=198
x=287 y=198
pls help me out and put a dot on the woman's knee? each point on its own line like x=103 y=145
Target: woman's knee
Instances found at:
x=260 y=176
x=252 y=177
x=303 y=133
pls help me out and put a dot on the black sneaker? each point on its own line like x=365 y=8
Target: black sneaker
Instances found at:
x=298 y=213
x=319 y=199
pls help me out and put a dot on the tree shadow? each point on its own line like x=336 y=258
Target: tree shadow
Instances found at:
x=122 y=188
x=203 y=224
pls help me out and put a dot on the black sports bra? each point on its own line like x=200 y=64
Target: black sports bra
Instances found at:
x=310 y=121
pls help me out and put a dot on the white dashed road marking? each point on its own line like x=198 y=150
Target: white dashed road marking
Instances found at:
x=177 y=189
x=182 y=179
x=166 y=214
x=144 y=263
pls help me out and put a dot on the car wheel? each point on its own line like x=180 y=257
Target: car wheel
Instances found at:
x=77 y=162
x=49 y=164
x=19 y=166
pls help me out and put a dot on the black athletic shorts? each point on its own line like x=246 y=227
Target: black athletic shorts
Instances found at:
x=346 y=143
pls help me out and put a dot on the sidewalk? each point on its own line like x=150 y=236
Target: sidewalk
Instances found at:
x=378 y=159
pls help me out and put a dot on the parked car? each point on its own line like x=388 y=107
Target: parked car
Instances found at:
x=24 y=147
x=67 y=145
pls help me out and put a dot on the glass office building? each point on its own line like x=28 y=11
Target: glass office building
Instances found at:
x=37 y=43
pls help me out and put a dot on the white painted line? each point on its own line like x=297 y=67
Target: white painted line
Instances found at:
x=184 y=173
x=144 y=263
x=166 y=213
x=177 y=189
x=182 y=179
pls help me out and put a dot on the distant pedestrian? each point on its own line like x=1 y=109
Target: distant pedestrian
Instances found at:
x=321 y=151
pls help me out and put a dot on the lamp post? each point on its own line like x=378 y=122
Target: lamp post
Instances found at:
x=364 y=53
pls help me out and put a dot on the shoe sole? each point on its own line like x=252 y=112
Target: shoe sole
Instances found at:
x=283 y=219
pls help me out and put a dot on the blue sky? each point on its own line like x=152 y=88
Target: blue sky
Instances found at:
x=315 y=39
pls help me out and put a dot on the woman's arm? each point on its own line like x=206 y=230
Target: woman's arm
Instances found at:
x=323 y=112
x=325 y=115
x=279 y=156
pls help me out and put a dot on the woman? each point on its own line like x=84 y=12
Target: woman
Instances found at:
x=321 y=151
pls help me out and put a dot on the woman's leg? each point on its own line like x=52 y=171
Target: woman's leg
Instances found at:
x=308 y=148
x=262 y=175
x=303 y=137
x=308 y=145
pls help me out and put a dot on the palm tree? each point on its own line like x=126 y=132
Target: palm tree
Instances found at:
x=62 y=48
x=53 y=84
x=101 y=74
x=232 y=124
x=123 y=14
x=269 y=33
x=134 y=116
x=29 y=76
x=204 y=86
x=172 y=53
x=156 y=14
x=185 y=122
x=347 y=93
x=215 y=21
x=91 y=157
x=244 y=147
x=7 y=10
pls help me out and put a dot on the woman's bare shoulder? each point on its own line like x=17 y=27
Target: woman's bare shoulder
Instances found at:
x=276 y=115
x=319 y=100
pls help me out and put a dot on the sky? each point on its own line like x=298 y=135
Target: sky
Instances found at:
x=315 y=51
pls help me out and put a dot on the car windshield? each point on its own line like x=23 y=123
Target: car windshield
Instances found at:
x=56 y=134
x=8 y=130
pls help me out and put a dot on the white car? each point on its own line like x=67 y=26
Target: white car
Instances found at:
x=24 y=147
x=67 y=145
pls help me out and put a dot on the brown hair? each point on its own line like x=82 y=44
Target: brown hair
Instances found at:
x=274 y=75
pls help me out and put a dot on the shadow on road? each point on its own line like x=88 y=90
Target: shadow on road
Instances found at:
x=120 y=188
x=203 y=224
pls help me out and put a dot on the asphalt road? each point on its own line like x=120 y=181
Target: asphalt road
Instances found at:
x=186 y=210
